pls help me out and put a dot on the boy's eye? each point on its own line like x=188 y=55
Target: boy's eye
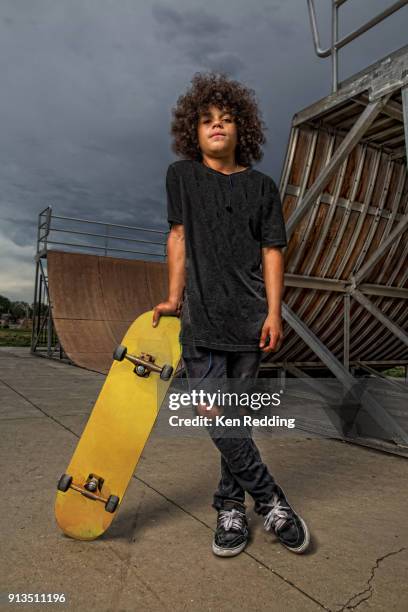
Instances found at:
x=228 y=119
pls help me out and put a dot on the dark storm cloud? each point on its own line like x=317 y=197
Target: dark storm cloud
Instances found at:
x=191 y=23
x=88 y=87
x=199 y=36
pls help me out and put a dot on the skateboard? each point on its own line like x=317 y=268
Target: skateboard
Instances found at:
x=90 y=492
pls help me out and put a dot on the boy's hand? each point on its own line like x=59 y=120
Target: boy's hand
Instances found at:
x=166 y=308
x=272 y=327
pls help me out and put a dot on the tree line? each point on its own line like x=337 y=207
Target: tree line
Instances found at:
x=16 y=310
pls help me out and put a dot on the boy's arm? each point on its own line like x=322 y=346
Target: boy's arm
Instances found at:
x=176 y=274
x=273 y=273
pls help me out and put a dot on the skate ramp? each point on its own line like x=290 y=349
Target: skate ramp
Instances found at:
x=357 y=212
x=353 y=238
x=94 y=299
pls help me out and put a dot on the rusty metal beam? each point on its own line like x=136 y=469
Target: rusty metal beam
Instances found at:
x=320 y=283
x=376 y=256
x=404 y=94
x=384 y=291
x=391 y=382
x=376 y=312
x=327 y=198
x=393 y=109
x=399 y=153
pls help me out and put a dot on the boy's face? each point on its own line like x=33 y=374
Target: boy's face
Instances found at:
x=217 y=132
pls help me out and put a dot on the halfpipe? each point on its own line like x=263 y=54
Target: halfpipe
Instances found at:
x=94 y=299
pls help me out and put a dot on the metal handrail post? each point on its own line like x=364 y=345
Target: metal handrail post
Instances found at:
x=106 y=238
x=35 y=302
x=49 y=333
x=337 y=44
x=404 y=95
x=346 y=331
x=334 y=51
x=39 y=303
x=48 y=226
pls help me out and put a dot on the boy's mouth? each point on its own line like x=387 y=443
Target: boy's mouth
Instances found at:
x=217 y=134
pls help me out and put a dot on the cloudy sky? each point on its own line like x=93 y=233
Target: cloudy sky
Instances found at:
x=88 y=86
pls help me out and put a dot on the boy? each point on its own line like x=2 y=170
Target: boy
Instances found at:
x=225 y=220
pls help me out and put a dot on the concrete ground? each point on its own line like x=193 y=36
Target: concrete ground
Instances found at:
x=157 y=553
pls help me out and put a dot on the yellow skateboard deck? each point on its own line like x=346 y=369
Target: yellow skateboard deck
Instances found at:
x=90 y=492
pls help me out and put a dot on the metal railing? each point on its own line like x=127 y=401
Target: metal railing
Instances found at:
x=104 y=239
x=112 y=236
x=337 y=43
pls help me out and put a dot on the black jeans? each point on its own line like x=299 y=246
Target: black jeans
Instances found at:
x=242 y=468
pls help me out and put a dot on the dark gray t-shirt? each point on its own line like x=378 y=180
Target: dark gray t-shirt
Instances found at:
x=227 y=220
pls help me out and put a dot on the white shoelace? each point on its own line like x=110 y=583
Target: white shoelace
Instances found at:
x=231 y=519
x=277 y=516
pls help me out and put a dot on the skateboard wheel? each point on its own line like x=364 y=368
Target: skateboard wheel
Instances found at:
x=166 y=372
x=64 y=483
x=119 y=353
x=112 y=503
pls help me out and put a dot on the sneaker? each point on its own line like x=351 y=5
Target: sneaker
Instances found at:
x=231 y=534
x=288 y=526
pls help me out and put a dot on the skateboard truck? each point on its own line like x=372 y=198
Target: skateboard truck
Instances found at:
x=93 y=483
x=144 y=364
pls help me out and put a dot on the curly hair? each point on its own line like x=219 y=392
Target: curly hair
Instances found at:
x=217 y=89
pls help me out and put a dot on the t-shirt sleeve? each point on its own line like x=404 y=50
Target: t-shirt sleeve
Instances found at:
x=273 y=231
x=174 y=202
